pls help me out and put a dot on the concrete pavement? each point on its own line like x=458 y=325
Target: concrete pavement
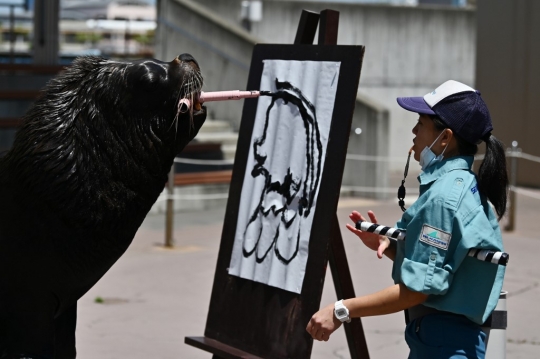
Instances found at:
x=153 y=297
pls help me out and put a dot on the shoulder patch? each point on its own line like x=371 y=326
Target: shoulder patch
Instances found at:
x=474 y=189
x=435 y=237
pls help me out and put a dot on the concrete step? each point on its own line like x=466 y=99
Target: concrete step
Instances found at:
x=215 y=126
x=229 y=151
x=219 y=131
x=225 y=138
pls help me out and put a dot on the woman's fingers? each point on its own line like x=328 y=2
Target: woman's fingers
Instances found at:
x=356 y=216
x=372 y=217
x=325 y=336
x=353 y=229
x=373 y=241
x=383 y=244
x=315 y=330
x=319 y=334
x=323 y=323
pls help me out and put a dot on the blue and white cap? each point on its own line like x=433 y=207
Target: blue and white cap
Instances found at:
x=459 y=106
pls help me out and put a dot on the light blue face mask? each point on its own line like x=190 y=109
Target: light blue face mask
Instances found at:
x=428 y=158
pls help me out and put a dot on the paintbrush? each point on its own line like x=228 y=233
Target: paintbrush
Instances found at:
x=185 y=104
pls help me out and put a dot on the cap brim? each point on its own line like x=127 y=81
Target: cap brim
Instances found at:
x=415 y=104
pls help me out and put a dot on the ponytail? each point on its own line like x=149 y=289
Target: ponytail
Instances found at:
x=492 y=176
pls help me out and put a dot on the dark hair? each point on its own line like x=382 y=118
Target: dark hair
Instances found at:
x=492 y=176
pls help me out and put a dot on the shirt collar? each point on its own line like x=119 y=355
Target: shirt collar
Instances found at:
x=432 y=173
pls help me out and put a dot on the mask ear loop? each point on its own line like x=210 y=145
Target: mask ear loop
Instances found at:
x=401 y=190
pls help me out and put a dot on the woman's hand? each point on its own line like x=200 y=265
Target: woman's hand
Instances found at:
x=323 y=324
x=373 y=241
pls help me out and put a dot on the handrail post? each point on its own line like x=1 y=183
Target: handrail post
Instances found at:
x=514 y=152
x=169 y=216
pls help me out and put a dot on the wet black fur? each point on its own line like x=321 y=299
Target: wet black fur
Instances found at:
x=87 y=164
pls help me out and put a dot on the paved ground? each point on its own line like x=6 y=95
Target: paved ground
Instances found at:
x=152 y=298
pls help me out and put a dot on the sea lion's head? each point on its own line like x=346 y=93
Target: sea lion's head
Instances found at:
x=109 y=128
x=155 y=89
x=151 y=93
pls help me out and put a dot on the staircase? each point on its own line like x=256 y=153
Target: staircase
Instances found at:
x=219 y=131
x=198 y=191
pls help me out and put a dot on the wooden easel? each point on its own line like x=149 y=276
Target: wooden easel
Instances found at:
x=286 y=307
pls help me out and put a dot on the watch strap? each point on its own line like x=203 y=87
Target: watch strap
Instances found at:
x=340 y=306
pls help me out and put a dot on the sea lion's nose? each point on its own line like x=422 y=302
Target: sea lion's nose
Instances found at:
x=188 y=58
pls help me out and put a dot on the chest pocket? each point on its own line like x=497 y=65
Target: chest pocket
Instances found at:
x=456 y=193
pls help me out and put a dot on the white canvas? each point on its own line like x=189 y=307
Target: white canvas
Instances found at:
x=284 y=171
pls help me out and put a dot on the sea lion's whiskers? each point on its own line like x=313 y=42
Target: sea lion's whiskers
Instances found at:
x=179 y=107
x=189 y=89
x=189 y=92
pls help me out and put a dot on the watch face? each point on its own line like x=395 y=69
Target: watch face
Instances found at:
x=341 y=312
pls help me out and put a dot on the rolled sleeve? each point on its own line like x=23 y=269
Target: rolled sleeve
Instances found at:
x=425 y=278
x=428 y=245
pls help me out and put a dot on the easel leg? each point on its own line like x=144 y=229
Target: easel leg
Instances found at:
x=307 y=27
x=344 y=289
x=328 y=27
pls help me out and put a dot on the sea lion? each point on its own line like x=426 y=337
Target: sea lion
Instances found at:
x=90 y=159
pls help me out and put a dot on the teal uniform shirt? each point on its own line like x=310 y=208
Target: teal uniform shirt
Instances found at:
x=449 y=218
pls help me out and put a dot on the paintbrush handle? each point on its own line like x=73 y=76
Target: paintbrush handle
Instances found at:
x=185 y=104
x=227 y=95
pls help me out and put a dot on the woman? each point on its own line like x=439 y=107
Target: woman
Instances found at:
x=447 y=295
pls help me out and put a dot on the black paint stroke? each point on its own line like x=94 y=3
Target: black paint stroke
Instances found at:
x=289 y=187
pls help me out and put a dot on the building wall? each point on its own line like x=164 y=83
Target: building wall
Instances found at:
x=222 y=50
x=409 y=50
x=508 y=72
x=368 y=138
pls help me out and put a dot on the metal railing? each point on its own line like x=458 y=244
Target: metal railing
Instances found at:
x=513 y=153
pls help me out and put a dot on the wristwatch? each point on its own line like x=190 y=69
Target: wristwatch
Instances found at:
x=341 y=312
